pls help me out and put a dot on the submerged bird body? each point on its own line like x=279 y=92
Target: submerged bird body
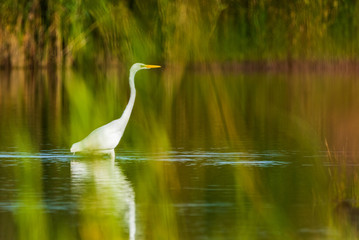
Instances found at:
x=105 y=138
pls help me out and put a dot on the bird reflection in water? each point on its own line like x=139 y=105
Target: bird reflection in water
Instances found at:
x=103 y=192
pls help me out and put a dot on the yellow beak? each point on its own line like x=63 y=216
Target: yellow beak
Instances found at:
x=152 y=66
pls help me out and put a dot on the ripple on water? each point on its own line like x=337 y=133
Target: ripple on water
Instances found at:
x=256 y=159
x=50 y=155
x=209 y=158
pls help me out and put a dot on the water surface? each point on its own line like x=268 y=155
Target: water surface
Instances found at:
x=206 y=155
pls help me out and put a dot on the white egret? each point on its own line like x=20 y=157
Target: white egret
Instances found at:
x=103 y=140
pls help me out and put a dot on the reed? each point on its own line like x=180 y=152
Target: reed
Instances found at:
x=41 y=33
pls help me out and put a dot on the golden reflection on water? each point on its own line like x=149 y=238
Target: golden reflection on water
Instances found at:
x=222 y=155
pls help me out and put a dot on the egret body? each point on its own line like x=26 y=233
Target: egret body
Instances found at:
x=103 y=140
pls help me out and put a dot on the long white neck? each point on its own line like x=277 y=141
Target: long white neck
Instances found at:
x=127 y=113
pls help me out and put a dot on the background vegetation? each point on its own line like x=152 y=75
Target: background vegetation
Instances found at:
x=207 y=154
x=72 y=32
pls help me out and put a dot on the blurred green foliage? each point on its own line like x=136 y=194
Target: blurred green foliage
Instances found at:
x=105 y=32
x=177 y=110
x=185 y=160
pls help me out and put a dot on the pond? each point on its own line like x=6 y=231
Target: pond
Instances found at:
x=207 y=154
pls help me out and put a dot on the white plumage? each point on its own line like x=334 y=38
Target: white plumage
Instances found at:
x=105 y=138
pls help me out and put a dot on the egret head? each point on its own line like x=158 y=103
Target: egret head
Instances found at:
x=139 y=66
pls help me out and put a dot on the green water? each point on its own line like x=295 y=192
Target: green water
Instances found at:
x=207 y=154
